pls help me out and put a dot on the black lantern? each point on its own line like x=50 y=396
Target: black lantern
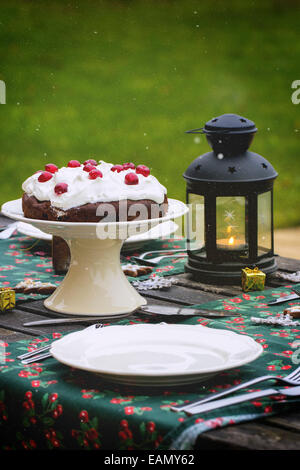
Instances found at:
x=230 y=196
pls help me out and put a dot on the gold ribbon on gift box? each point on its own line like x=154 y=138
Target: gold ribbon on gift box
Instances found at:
x=7 y=299
x=253 y=279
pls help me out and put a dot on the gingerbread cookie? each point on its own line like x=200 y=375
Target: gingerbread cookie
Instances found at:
x=30 y=286
x=293 y=311
x=135 y=270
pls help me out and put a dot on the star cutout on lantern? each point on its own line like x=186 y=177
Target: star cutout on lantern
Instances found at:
x=231 y=169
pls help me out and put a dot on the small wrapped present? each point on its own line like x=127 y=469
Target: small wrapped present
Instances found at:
x=7 y=299
x=253 y=279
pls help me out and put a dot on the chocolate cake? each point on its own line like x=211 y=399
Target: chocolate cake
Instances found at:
x=93 y=192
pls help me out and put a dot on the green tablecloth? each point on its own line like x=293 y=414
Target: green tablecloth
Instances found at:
x=49 y=405
x=23 y=257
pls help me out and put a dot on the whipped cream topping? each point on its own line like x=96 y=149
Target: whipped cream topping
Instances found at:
x=82 y=190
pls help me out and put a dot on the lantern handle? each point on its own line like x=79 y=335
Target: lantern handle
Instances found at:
x=195 y=131
x=201 y=130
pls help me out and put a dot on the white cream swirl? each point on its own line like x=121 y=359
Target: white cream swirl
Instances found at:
x=82 y=190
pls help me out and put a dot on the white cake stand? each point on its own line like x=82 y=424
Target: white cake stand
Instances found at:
x=95 y=283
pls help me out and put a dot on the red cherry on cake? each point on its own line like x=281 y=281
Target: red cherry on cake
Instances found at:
x=117 y=168
x=73 y=164
x=142 y=170
x=128 y=166
x=95 y=174
x=45 y=176
x=131 y=178
x=51 y=168
x=89 y=167
x=91 y=161
x=61 y=188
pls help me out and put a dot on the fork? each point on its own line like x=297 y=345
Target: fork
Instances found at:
x=142 y=256
x=157 y=259
x=244 y=397
x=292 y=379
x=37 y=358
x=39 y=354
x=7 y=232
x=296 y=290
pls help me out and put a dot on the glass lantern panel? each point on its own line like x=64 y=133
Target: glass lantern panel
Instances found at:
x=195 y=219
x=231 y=223
x=264 y=223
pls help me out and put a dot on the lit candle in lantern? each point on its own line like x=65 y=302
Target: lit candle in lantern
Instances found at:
x=230 y=243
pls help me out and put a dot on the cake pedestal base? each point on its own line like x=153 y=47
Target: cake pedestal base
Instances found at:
x=95 y=283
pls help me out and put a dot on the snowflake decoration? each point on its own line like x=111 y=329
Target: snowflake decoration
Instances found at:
x=282 y=320
x=229 y=215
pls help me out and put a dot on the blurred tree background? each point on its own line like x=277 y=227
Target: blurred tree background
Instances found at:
x=122 y=81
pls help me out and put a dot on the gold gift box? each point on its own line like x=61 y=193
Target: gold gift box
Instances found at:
x=253 y=279
x=7 y=299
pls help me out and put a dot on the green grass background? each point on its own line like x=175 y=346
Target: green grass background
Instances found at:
x=122 y=81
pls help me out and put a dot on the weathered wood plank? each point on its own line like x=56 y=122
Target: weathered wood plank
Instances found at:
x=249 y=436
x=186 y=280
x=288 y=264
x=175 y=294
x=11 y=336
x=290 y=421
x=15 y=318
x=37 y=307
x=181 y=295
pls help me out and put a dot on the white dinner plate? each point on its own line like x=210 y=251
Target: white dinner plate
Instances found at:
x=155 y=354
x=164 y=230
x=31 y=231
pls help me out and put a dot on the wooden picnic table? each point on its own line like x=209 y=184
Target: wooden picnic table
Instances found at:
x=281 y=432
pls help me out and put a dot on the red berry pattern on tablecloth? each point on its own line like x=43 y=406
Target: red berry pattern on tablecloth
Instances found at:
x=87 y=435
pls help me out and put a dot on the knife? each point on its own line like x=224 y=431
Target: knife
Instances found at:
x=184 y=311
x=61 y=321
x=214 y=405
x=286 y=298
x=146 y=309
